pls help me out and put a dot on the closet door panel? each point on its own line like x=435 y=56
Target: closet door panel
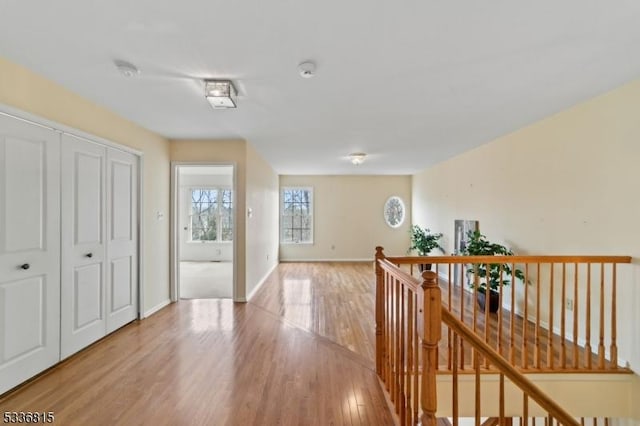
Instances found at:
x=83 y=244
x=122 y=200
x=29 y=250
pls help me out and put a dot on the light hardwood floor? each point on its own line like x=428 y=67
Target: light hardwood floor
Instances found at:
x=299 y=354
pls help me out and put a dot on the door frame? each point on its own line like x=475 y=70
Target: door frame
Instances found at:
x=37 y=120
x=174 y=250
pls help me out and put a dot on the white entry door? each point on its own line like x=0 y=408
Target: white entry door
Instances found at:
x=84 y=200
x=29 y=250
x=122 y=237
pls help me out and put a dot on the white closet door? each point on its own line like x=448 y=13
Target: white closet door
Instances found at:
x=122 y=235
x=83 y=299
x=29 y=250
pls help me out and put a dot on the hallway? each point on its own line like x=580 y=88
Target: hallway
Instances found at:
x=210 y=362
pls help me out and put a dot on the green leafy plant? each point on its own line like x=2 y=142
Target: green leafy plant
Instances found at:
x=493 y=273
x=423 y=241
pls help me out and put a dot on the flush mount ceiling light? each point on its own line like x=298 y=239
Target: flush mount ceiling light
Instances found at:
x=220 y=94
x=126 y=68
x=357 y=158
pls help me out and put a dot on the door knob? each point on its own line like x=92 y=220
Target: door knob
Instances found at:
x=89 y=255
x=25 y=266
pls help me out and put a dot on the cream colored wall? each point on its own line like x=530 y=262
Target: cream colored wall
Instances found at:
x=22 y=89
x=564 y=185
x=348 y=220
x=262 y=226
x=223 y=151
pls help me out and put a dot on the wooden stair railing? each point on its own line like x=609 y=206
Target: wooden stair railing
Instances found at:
x=482 y=350
x=563 y=320
x=409 y=319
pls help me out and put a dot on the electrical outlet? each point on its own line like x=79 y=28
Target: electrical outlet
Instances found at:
x=569 y=304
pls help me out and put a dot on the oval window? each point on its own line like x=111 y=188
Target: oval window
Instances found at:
x=394 y=211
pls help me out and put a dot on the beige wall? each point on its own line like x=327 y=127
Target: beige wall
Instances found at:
x=565 y=185
x=29 y=92
x=262 y=226
x=220 y=151
x=348 y=220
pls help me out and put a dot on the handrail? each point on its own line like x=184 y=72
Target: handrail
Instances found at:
x=408 y=260
x=507 y=369
x=410 y=280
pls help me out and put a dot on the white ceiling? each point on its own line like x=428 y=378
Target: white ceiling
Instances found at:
x=411 y=83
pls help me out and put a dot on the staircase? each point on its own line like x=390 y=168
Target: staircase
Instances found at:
x=440 y=357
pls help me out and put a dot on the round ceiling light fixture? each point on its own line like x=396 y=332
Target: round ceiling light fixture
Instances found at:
x=126 y=68
x=307 y=69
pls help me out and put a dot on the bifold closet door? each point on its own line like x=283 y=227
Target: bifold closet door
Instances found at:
x=84 y=201
x=122 y=238
x=29 y=250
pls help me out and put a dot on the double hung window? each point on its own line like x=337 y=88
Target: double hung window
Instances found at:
x=296 y=215
x=211 y=214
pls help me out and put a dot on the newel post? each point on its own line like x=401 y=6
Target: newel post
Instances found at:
x=431 y=334
x=379 y=312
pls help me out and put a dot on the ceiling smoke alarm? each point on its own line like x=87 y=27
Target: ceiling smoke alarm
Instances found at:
x=307 y=69
x=126 y=68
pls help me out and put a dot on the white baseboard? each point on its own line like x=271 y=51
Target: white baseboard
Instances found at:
x=369 y=259
x=261 y=282
x=156 y=308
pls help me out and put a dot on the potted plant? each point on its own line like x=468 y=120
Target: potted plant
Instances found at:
x=423 y=241
x=490 y=275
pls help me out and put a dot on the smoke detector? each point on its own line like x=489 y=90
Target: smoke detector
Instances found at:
x=307 y=69
x=126 y=68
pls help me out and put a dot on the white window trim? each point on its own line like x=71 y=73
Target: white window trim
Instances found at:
x=311 y=209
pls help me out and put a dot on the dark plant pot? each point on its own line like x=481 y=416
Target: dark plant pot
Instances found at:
x=494 y=301
x=424 y=267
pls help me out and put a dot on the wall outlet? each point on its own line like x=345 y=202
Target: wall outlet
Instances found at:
x=569 y=304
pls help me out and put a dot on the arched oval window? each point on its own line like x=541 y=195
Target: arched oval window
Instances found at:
x=394 y=211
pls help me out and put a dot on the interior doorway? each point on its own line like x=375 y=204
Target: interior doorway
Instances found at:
x=204 y=201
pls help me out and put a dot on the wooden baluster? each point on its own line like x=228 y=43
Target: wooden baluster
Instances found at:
x=389 y=348
x=401 y=355
x=512 y=336
x=537 y=332
x=587 y=345
x=501 y=421
x=410 y=359
x=450 y=358
x=614 y=315
x=576 y=305
x=563 y=348
x=500 y=324
x=379 y=312
x=431 y=335
x=462 y=316
x=550 y=356
x=601 y=340
x=416 y=358
x=525 y=319
x=525 y=409
x=396 y=345
x=454 y=377
x=476 y=366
